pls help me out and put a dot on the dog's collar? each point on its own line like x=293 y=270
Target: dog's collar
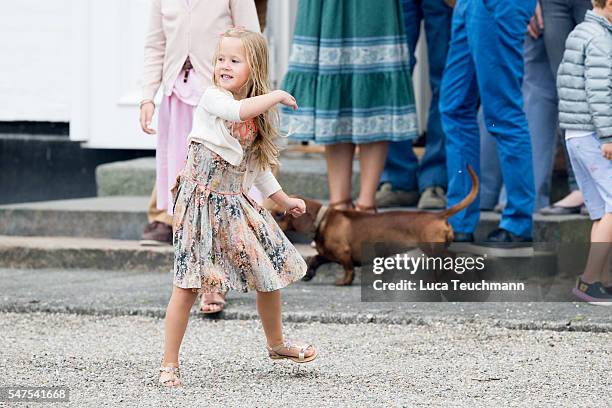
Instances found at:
x=320 y=218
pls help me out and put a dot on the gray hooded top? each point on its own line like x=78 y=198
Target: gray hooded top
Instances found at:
x=584 y=80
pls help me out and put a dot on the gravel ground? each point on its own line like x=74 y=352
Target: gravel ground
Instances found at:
x=112 y=361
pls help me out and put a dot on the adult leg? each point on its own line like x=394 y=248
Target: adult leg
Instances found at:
x=176 y=149
x=496 y=32
x=339 y=158
x=559 y=21
x=159 y=229
x=458 y=107
x=579 y=9
x=154 y=213
x=490 y=170
x=401 y=164
x=371 y=164
x=438 y=17
x=540 y=93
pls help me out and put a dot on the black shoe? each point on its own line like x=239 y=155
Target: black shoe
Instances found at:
x=558 y=210
x=505 y=239
x=463 y=237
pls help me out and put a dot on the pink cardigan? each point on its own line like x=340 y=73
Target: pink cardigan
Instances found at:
x=181 y=28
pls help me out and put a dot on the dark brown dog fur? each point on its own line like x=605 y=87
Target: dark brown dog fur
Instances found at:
x=344 y=232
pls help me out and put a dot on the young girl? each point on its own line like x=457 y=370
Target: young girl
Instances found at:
x=179 y=50
x=222 y=238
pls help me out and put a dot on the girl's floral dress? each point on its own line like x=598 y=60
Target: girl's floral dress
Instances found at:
x=223 y=239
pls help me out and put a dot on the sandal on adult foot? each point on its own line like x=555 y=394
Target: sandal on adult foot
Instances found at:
x=169 y=376
x=217 y=305
x=275 y=354
x=366 y=208
x=346 y=204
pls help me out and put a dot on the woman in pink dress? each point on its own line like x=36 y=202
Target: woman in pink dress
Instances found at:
x=179 y=49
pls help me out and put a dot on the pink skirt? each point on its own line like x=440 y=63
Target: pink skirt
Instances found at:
x=174 y=124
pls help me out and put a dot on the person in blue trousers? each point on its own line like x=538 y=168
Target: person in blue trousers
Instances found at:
x=485 y=61
x=540 y=94
x=548 y=31
x=404 y=177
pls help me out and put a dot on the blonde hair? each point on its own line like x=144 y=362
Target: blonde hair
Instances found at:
x=256 y=49
x=599 y=3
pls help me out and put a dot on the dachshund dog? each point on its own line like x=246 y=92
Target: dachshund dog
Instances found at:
x=340 y=234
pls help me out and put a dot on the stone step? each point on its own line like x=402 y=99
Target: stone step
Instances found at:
x=118 y=217
x=301 y=173
x=123 y=217
x=90 y=253
x=67 y=253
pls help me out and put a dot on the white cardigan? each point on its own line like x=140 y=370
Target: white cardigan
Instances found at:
x=215 y=106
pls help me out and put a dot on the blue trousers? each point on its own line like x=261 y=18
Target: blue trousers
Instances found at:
x=402 y=168
x=540 y=94
x=485 y=60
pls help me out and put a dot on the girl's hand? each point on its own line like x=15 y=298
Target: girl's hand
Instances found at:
x=286 y=99
x=146 y=114
x=295 y=206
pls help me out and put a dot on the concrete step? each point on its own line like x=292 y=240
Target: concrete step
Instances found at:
x=301 y=173
x=123 y=217
x=90 y=253
x=541 y=270
x=118 y=217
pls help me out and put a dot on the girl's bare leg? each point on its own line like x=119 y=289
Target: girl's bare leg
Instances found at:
x=339 y=158
x=177 y=316
x=372 y=158
x=269 y=309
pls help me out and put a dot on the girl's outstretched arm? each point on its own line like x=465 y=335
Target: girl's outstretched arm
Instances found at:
x=255 y=106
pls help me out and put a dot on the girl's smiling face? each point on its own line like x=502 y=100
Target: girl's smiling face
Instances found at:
x=231 y=67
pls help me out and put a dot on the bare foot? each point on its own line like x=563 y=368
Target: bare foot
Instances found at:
x=573 y=199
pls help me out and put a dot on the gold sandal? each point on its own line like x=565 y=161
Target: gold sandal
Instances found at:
x=348 y=202
x=372 y=209
x=219 y=303
x=273 y=352
x=169 y=374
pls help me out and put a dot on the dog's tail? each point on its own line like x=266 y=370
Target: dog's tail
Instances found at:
x=468 y=199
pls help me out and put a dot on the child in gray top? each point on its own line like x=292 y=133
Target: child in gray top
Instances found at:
x=584 y=83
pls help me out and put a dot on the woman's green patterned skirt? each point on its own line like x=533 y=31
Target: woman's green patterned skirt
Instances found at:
x=349 y=72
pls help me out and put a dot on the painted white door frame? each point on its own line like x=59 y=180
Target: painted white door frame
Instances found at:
x=107 y=54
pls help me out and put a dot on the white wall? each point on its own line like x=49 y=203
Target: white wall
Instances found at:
x=35 y=60
x=36 y=66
